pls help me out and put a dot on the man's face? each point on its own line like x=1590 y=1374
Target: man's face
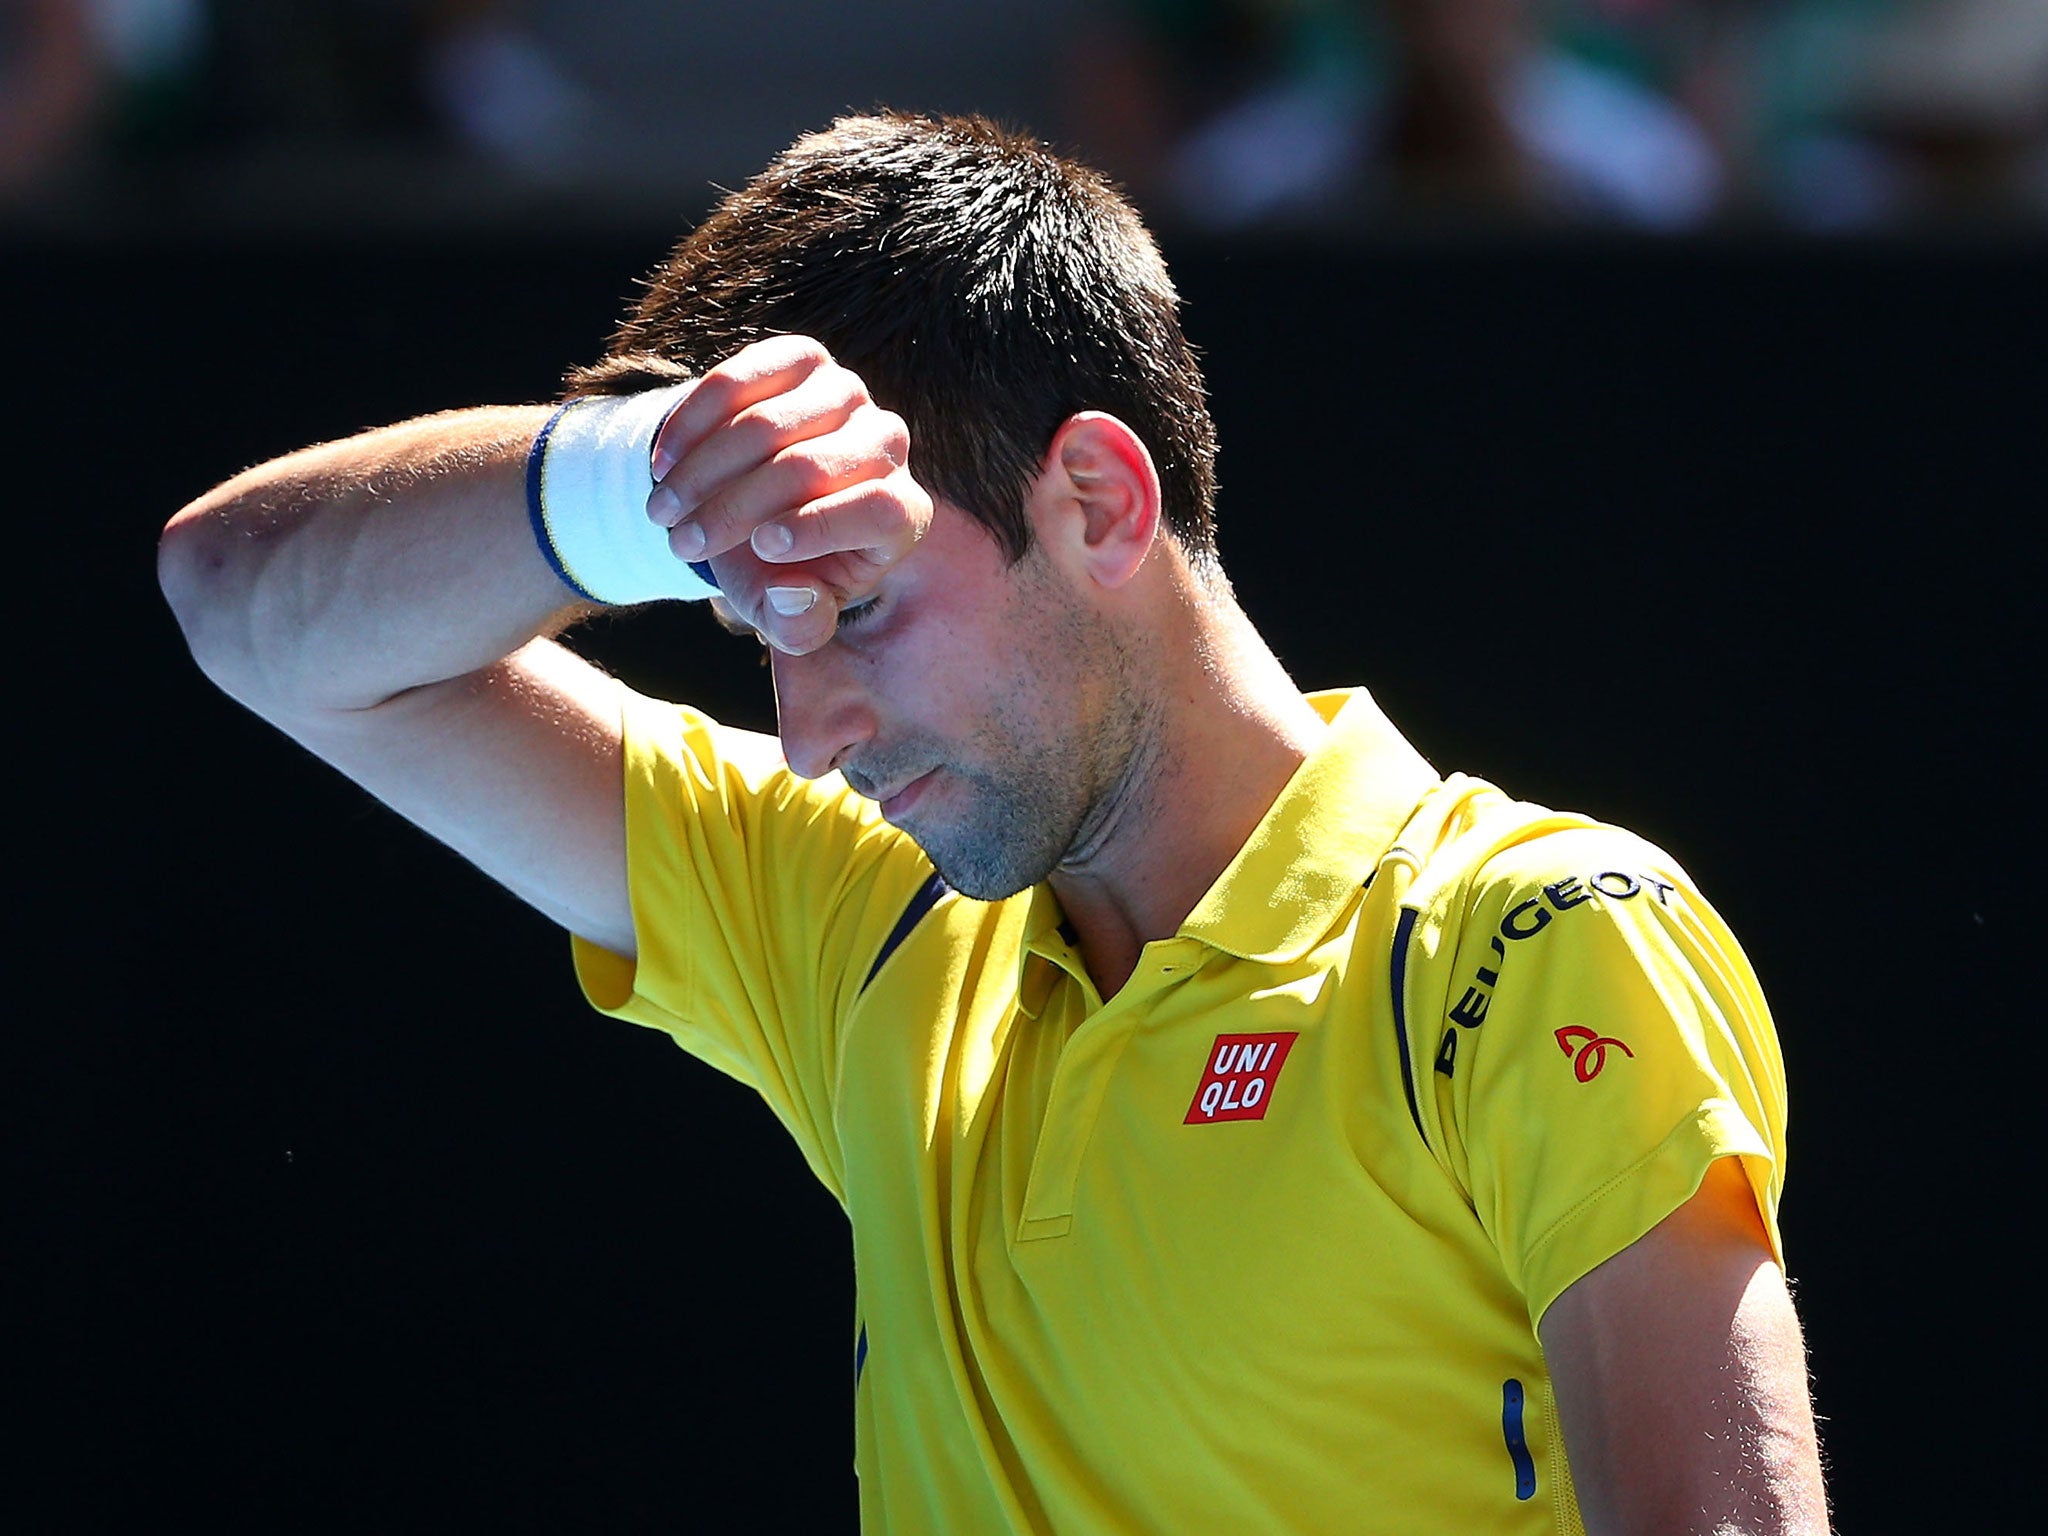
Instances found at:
x=983 y=704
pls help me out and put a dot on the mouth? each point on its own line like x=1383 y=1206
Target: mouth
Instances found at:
x=896 y=805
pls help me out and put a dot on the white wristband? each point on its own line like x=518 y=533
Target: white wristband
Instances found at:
x=587 y=481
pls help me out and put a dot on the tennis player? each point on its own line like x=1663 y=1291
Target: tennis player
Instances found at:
x=1243 y=1125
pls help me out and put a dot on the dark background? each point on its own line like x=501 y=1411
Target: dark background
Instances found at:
x=338 y=1210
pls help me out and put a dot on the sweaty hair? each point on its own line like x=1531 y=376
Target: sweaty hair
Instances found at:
x=984 y=288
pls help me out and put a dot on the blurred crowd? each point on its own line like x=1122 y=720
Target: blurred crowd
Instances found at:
x=1665 y=115
x=92 y=87
x=1658 y=114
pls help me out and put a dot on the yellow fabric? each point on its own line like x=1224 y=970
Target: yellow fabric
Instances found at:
x=1089 y=1304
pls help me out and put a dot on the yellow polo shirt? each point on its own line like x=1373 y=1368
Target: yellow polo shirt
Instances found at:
x=1260 y=1243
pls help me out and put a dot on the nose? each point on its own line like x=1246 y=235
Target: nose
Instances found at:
x=820 y=710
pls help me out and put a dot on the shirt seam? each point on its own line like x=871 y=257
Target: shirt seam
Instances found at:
x=1690 y=1122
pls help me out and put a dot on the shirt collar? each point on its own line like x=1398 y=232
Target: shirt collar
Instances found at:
x=1320 y=841
x=1045 y=949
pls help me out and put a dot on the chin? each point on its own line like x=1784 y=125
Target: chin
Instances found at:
x=1011 y=838
x=975 y=878
x=987 y=869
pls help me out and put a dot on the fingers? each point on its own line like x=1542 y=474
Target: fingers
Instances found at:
x=774 y=428
x=874 y=523
x=794 y=610
x=780 y=469
x=811 y=409
x=752 y=374
x=841 y=546
x=843 y=491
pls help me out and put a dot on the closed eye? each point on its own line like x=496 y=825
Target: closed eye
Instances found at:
x=858 y=614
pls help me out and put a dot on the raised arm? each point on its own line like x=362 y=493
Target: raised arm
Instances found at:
x=1681 y=1380
x=324 y=582
x=384 y=601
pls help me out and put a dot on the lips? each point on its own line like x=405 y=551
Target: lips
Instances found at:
x=899 y=803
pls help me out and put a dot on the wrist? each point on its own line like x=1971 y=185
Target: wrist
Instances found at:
x=588 y=476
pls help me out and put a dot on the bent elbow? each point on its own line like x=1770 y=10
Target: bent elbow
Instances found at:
x=189 y=571
x=184 y=556
x=208 y=592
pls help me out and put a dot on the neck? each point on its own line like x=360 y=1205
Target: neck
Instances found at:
x=1222 y=732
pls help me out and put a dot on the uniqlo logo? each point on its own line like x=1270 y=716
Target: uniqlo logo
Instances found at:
x=1238 y=1084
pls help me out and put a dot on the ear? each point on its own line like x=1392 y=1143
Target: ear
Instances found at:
x=1096 y=504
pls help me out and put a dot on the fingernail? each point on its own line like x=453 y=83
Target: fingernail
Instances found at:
x=686 y=540
x=791 y=601
x=665 y=456
x=772 y=539
x=665 y=507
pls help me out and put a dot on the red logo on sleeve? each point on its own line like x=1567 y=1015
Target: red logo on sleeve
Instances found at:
x=1588 y=1049
x=1238 y=1082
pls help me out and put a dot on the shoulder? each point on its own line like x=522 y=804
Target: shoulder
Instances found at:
x=1491 y=858
x=1591 y=1038
x=1540 y=939
x=1573 y=908
x=1555 y=871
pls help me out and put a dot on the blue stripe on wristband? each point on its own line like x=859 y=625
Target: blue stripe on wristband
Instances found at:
x=541 y=517
x=541 y=536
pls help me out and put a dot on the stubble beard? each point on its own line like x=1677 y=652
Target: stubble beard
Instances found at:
x=1020 y=818
x=1049 y=774
x=1038 y=801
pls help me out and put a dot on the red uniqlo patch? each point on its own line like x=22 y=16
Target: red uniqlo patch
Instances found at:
x=1238 y=1083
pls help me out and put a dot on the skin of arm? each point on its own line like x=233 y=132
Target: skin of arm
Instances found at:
x=382 y=601
x=1680 y=1377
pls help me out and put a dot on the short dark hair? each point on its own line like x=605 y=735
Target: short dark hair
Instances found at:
x=984 y=288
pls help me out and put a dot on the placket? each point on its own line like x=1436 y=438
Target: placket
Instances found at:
x=1082 y=1079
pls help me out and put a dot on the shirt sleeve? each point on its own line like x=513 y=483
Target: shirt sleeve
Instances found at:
x=1605 y=1041
x=760 y=901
